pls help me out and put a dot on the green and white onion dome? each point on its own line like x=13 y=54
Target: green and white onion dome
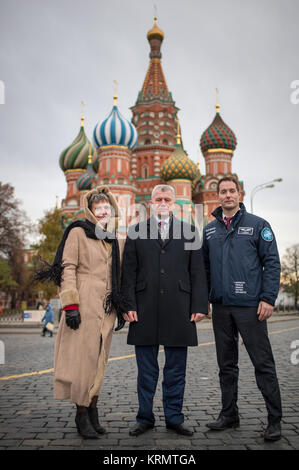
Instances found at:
x=75 y=156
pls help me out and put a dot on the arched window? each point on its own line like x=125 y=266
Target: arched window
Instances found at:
x=165 y=142
x=145 y=171
x=147 y=142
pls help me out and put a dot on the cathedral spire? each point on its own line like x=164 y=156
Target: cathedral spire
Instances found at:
x=82 y=113
x=155 y=37
x=217 y=101
x=115 y=93
x=154 y=85
x=178 y=134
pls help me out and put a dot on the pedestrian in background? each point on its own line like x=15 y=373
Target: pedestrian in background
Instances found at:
x=39 y=305
x=48 y=320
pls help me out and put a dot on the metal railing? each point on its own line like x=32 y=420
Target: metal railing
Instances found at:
x=15 y=317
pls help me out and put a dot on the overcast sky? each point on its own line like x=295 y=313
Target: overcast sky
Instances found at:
x=54 y=53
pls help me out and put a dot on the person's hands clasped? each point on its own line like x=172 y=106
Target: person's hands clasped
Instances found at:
x=73 y=319
x=131 y=316
x=198 y=317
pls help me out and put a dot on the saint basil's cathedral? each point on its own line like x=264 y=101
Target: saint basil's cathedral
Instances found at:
x=132 y=157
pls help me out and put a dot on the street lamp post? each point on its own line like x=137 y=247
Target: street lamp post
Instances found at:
x=260 y=187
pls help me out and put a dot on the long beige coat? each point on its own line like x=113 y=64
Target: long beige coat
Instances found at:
x=81 y=355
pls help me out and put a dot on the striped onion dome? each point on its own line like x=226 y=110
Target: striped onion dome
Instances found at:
x=218 y=135
x=85 y=181
x=75 y=156
x=179 y=166
x=115 y=130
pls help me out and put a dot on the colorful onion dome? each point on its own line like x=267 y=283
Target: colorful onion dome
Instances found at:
x=75 y=156
x=155 y=32
x=179 y=165
x=85 y=181
x=115 y=130
x=218 y=135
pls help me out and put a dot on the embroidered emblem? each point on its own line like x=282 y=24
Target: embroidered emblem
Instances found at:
x=267 y=235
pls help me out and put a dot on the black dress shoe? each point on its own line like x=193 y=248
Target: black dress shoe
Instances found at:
x=180 y=429
x=224 y=422
x=273 y=432
x=84 y=426
x=140 y=428
x=94 y=419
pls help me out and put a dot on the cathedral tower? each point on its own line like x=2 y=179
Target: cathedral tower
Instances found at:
x=154 y=115
x=217 y=144
x=115 y=138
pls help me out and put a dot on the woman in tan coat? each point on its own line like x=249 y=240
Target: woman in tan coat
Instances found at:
x=87 y=265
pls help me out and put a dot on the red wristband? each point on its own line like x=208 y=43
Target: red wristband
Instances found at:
x=71 y=307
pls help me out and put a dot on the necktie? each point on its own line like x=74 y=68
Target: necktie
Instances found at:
x=162 y=225
x=227 y=221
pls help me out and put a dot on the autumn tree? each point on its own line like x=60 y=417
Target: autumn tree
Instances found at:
x=14 y=228
x=6 y=279
x=290 y=272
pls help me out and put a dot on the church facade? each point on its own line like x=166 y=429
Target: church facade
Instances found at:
x=131 y=157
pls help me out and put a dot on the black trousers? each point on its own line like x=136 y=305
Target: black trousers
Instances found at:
x=227 y=322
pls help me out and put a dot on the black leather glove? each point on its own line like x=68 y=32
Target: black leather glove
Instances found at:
x=72 y=319
x=120 y=322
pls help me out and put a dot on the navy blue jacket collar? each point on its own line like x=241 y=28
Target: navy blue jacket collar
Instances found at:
x=217 y=213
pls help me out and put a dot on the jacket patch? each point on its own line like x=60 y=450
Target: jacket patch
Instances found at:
x=267 y=234
x=245 y=231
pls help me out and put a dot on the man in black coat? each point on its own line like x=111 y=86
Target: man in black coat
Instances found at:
x=165 y=285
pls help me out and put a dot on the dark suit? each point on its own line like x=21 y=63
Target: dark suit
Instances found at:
x=164 y=281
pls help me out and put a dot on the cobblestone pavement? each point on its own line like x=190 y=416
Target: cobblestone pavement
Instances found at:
x=31 y=419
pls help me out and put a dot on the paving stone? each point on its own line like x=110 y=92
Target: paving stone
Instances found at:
x=50 y=436
x=35 y=442
x=67 y=442
x=7 y=443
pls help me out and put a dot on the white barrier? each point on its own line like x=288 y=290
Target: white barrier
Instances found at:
x=33 y=315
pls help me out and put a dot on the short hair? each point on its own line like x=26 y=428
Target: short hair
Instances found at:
x=98 y=197
x=163 y=188
x=228 y=178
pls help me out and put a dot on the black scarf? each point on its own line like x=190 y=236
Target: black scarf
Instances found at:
x=54 y=272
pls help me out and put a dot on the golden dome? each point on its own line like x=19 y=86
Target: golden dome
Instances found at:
x=155 y=32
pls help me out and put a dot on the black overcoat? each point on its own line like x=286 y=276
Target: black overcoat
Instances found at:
x=165 y=282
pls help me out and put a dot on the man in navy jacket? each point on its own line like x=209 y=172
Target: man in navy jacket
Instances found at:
x=243 y=272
